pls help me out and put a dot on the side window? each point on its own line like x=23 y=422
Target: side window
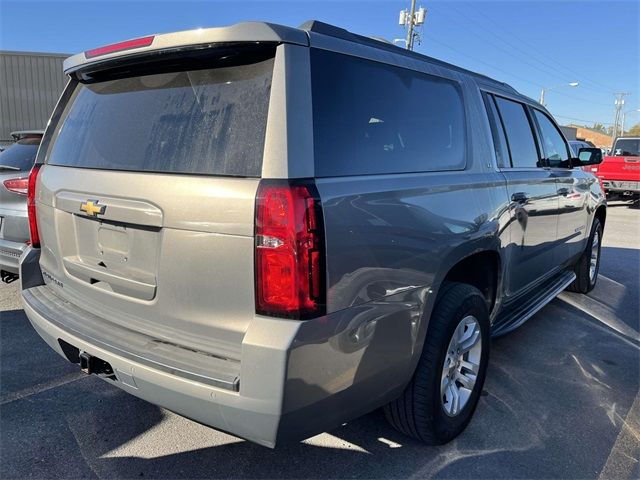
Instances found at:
x=373 y=118
x=497 y=132
x=555 y=149
x=522 y=145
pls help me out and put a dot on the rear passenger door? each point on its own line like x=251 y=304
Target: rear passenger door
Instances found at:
x=531 y=192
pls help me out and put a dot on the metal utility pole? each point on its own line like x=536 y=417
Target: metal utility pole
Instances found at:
x=411 y=19
x=624 y=116
x=410 y=28
x=619 y=104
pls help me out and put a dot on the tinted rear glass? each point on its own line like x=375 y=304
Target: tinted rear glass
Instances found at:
x=200 y=122
x=21 y=154
x=522 y=144
x=371 y=118
x=629 y=147
x=497 y=132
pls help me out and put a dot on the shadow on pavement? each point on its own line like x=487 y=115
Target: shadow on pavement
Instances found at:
x=42 y=395
x=556 y=398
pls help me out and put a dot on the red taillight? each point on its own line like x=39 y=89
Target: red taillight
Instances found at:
x=118 y=47
x=17 y=185
x=289 y=257
x=31 y=206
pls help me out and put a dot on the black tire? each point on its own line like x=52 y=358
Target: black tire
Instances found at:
x=584 y=283
x=419 y=412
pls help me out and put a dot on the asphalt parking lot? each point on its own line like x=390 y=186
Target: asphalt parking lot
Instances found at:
x=561 y=400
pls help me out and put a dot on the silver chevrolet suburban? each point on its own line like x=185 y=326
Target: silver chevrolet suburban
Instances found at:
x=274 y=230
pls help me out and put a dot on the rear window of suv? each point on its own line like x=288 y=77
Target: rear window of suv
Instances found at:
x=206 y=121
x=373 y=118
x=628 y=147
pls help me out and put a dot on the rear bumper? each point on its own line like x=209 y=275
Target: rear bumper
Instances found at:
x=223 y=410
x=621 y=186
x=10 y=253
x=295 y=379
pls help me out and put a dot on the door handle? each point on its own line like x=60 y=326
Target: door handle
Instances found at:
x=519 y=197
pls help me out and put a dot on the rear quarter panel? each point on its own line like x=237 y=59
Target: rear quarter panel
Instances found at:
x=390 y=241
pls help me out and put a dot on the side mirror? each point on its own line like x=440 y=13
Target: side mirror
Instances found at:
x=590 y=156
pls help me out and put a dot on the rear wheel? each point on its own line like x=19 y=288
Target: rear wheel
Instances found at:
x=439 y=401
x=588 y=264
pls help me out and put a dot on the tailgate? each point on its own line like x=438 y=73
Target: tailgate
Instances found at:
x=625 y=168
x=145 y=205
x=171 y=258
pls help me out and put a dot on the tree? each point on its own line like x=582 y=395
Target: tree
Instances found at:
x=635 y=130
x=598 y=127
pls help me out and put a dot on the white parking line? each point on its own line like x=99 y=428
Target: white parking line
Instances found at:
x=624 y=455
x=42 y=387
x=601 y=312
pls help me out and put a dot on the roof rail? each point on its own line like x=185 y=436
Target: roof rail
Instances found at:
x=322 y=28
x=316 y=26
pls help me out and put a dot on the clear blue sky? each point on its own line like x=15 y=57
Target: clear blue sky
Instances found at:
x=529 y=44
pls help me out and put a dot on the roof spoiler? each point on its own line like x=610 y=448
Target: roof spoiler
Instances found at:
x=240 y=32
x=20 y=134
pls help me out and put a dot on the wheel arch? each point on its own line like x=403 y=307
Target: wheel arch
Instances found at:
x=601 y=214
x=483 y=270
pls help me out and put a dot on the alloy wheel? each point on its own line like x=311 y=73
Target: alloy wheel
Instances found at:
x=461 y=366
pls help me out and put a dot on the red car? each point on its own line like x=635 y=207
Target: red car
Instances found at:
x=620 y=172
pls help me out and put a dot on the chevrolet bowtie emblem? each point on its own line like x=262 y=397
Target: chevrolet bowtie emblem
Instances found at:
x=91 y=208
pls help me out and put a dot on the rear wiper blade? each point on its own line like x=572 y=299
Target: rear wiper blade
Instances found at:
x=9 y=167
